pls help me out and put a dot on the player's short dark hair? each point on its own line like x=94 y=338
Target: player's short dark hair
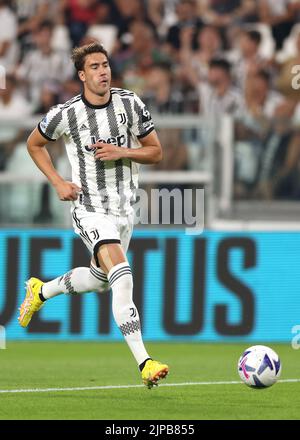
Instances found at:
x=221 y=63
x=79 y=54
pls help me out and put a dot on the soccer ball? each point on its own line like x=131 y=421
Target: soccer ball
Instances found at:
x=259 y=366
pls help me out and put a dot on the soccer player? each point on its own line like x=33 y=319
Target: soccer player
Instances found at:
x=107 y=132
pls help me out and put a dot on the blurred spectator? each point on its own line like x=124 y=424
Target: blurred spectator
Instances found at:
x=219 y=95
x=12 y=107
x=49 y=97
x=261 y=99
x=12 y=103
x=175 y=152
x=254 y=135
x=228 y=15
x=30 y=14
x=161 y=93
x=60 y=39
x=163 y=96
x=286 y=181
x=197 y=62
x=127 y=12
x=69 y=88
x=248 y=61
x=162 y=13
x=8 y=33
x=278 y=175
x=80 y=14
x=44 y=64
x=279 y=16
x=186 y=18
x=103 y=28
x=143 y=53
x=227 y=12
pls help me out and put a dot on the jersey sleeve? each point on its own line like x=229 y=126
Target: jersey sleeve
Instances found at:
x=142 y=119
x=52 y=126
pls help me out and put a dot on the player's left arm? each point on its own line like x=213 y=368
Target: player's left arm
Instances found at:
x=149 y=153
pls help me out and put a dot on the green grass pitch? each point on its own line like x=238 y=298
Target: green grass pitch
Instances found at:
x=41 y=365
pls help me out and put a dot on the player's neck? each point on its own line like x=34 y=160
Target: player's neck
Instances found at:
x=96 y=100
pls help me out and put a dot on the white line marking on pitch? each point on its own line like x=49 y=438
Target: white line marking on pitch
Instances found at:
x=118 y=387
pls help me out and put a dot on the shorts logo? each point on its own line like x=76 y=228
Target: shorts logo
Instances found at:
x=95 y=234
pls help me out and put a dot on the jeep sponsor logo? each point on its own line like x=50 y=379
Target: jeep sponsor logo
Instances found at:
x=118 y=140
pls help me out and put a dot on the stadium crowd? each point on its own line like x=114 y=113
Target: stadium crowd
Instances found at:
x=207 y=57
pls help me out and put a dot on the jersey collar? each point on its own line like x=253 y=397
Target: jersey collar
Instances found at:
x=87 y=103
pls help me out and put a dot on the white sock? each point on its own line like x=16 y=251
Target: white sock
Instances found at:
x=78 y=280
x=125 y=311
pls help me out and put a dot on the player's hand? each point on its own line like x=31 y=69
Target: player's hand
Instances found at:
x=67 y=191
x=107 y=151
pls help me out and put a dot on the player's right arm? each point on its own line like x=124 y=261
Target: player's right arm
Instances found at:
x=36 y=145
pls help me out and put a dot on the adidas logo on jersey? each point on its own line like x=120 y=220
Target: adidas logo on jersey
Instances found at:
x=83 y=127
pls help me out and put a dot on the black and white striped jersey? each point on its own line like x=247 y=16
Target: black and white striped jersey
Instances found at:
x=107 y=186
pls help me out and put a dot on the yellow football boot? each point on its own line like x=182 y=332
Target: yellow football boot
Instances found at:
x=152 y=372
x=32 y=302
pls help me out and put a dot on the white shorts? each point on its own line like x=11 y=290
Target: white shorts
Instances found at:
x=95 y=229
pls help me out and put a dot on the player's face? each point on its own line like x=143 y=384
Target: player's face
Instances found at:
x=96 y=75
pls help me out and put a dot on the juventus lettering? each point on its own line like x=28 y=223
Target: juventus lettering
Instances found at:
x=107 y=187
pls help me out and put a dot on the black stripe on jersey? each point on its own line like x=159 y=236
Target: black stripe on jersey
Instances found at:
x=56 y=120
x=74 y=132
x=129 y=113
x=44 y=134
x=71 y=101
x=138 y=109
x=115 y=92
x=53 y=124
x=100 y=166
x=141 y=136
x=121 y=92
x=127 y=105
x=114 y=131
